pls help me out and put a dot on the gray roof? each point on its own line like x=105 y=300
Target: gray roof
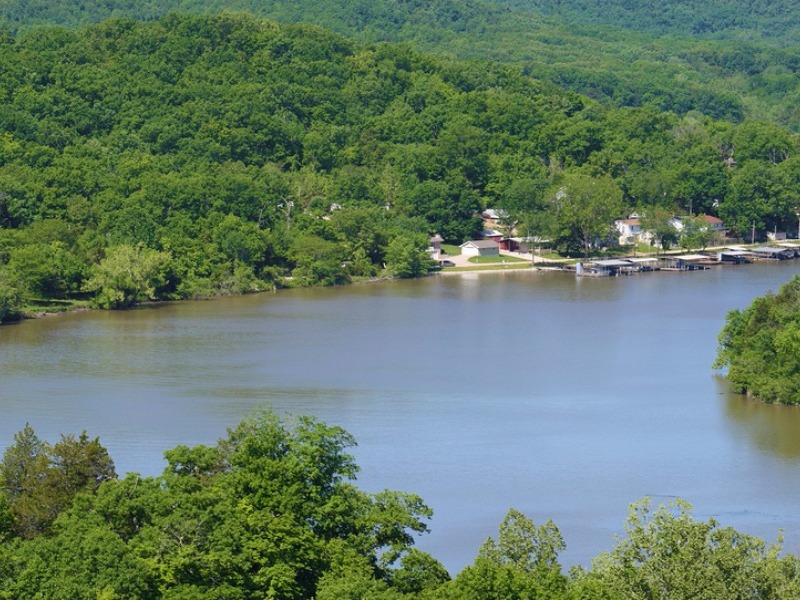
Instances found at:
x=481 y=244
x=768 y=250
x=610 y=262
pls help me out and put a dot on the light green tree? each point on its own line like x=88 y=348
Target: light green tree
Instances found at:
x=11 y=299
x=406 y=255
x=668 y=554
x=697 y=233
x=657 y=222
x=521 y=564
x=584 y=209
x=127 y=275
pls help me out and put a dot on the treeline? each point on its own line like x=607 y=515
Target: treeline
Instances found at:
x=271 y=511
x=614 y=52
x=760 y=346
x=196 y=156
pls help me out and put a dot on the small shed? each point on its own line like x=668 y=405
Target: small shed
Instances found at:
x=435 y=248
x=480 y=248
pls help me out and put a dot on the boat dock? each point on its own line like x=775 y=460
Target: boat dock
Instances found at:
x=616 y=267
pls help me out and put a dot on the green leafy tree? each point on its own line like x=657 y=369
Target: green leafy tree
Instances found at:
x=697 y=233
x=756 y=198
x=521 y=564
x=759 y=346
x=668 y=554
x=407 y=256
x=584 y=210
x=658 y=223
x=11 y=300
x=46 y=270
x=450 y=207
x=318 y=261
x=84 y=560
x=127 y=275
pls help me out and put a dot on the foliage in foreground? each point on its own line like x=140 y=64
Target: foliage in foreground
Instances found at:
x=760 y=346
x=271 y=512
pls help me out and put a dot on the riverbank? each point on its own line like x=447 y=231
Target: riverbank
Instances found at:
x=516 y=262
x=625 y=264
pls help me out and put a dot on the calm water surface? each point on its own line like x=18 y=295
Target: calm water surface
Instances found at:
x=567 y=399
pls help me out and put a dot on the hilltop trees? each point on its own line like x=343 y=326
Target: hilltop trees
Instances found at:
x=521 y=563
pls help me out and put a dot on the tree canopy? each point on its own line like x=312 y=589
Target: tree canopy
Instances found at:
x=729 y=60
x=760 y=346
x=272 y=511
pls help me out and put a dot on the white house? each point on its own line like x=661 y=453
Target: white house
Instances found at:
x=480 y=248
x=630 y=230
x=716 y=225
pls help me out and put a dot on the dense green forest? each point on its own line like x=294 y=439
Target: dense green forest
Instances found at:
x=196 y=156
x=272 y=511
x=774 y=21
x=760 y=346
x=615 y=52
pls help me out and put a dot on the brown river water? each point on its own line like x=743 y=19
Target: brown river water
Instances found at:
x=564 y=398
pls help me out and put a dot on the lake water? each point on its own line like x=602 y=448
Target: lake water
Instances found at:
x=564 y=398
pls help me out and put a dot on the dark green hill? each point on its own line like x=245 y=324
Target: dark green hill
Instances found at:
x=583 y=47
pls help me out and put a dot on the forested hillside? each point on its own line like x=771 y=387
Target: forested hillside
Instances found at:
x=202 y=155
x=611 y=52
x=773 y=21
x=272 y=511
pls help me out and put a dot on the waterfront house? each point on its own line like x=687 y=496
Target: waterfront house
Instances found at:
x=492 y=234
x=492 y=217
x=630 y=230
x=715 y=224
x=480 y=248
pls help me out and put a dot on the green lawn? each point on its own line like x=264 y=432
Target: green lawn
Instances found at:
x=494 y=260
x=451 y=249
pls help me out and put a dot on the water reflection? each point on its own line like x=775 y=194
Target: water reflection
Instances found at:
x=771 y=428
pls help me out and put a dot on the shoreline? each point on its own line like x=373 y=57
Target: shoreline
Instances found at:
x=460 y=270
